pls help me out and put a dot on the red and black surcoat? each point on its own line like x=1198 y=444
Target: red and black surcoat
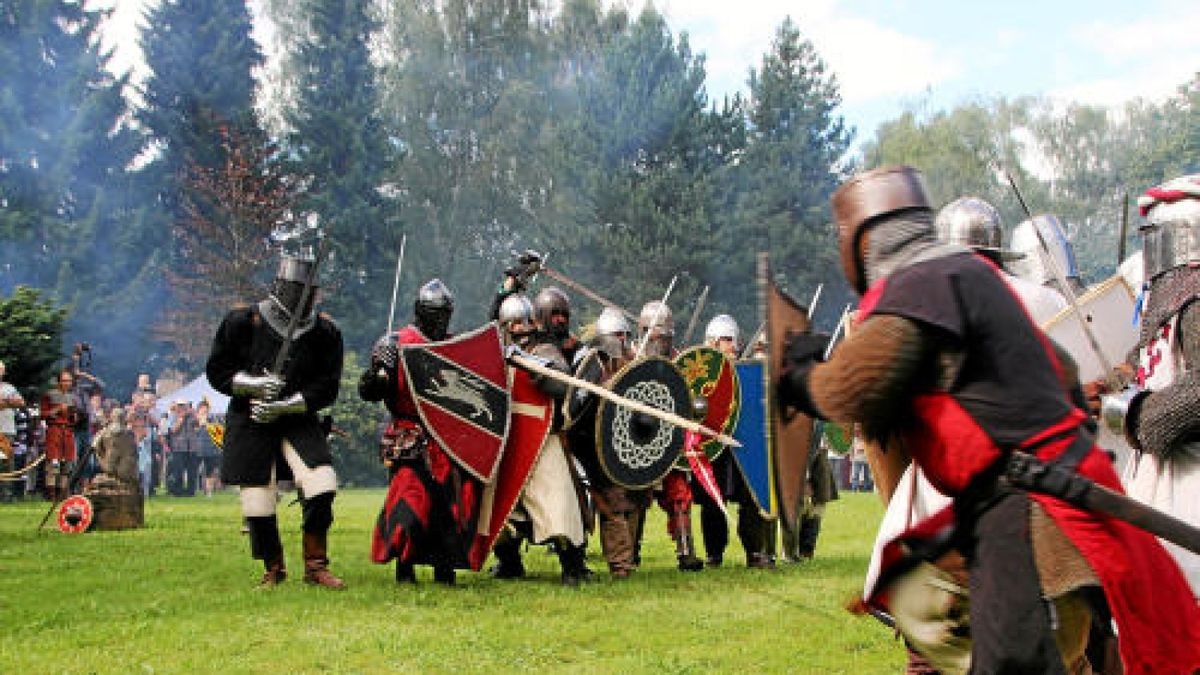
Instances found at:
x=432 y=506
x=999 y=388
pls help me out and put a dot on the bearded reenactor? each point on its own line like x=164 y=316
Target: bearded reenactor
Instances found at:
x=656 y=337
x=548 y=511
x=272 y=431
x=1159 y=415
x=432 y=504
x=754 y=531
x=946 y=358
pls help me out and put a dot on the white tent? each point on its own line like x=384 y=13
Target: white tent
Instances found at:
x=193 y=391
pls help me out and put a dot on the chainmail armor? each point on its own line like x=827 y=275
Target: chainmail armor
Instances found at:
x=1168 y=295
x=1168 y=418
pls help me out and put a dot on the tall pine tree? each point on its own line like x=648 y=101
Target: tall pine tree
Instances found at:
x=202 y=60
x=797 y=139
x=338 y=140
x=67 y=206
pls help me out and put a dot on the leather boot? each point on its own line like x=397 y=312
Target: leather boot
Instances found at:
x=810 y=528
x=275 y=573
x=266 y=546
x=573 y=561
x=405 y=573
x=444 y=574
x=316 y=562
x=508 y=558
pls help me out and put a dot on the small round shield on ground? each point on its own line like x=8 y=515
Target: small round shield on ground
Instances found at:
x=75 y=515
x=636 y=449
x=712 y=375
x=579 y=400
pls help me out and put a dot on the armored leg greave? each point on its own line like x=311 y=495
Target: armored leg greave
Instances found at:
x=680 y=523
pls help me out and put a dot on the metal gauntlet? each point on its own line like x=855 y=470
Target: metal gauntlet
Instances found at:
x=1119 y=412
x=265 y=412
x=264 y=387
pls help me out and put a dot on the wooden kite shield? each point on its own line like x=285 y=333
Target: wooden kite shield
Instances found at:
x=637 y=450
x=790 y=430
x=711 y=374
x=532 y=416
x=754 y=458
x=461 y=390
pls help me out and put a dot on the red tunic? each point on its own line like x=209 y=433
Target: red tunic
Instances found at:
x=58 y=410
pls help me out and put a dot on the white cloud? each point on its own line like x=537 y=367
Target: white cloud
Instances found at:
x=1148 y=58
x=1160 y=32
x=871 y=60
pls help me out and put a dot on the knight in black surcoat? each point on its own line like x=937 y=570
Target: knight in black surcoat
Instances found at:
x=272 y=431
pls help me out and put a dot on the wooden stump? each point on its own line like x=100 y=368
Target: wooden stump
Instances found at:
x=116 y=506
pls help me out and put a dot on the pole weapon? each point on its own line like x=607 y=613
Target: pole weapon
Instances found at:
x=585 y=291
x=637 y=406
x=294 y=321
x=1067 y=291
x=691 y=328
x=657 y=315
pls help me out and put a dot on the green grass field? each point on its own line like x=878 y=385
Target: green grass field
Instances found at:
x=178 y=596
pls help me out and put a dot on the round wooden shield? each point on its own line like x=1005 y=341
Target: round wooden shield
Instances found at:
x=712 y=375
x=636 y=450
x=75 y=515
x=578 y=400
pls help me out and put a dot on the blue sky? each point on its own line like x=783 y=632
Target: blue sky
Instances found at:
x=891 y=55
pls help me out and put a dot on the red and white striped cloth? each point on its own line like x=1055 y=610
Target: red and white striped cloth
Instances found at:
x=1184 y=187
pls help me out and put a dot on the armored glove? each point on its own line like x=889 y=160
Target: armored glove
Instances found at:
x=802 y=352
x=264 y=387
x=265 y=412
x=528 y=264
x=384 y=354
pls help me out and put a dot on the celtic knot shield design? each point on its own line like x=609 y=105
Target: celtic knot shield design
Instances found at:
x=635 y=449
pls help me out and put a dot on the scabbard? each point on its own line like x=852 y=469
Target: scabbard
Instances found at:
x=1031 y=474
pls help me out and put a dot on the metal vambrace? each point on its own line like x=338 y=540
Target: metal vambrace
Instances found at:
x=1119 y=412
x=264 y=387
x=265 y=412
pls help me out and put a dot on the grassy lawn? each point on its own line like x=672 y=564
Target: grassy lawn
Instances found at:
x=178 y=596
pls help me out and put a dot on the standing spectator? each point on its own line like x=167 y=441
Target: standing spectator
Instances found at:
x=161 y=457
x=207 y=453
x=184 y=458
x=10 y=400
x=61 y=412
x=141 y=422
x=860 y=471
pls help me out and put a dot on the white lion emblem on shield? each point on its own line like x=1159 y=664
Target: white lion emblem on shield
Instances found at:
x=464 y=389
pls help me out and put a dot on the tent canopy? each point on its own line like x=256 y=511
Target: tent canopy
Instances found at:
x=193 y=392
